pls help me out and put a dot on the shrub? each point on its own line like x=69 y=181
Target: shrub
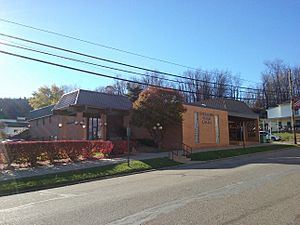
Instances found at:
x=73 y=149
x=120 y=147
x=146 y=142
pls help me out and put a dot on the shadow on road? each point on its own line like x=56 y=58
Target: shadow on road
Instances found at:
x=288 y=156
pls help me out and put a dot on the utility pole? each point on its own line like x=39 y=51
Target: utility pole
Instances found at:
x=292 y=106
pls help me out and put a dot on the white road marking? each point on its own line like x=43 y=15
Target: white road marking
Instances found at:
x=31 y=204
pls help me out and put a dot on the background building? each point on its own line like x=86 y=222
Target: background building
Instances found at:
x=279 y=118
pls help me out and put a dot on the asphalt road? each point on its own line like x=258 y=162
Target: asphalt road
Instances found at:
x=260 y=189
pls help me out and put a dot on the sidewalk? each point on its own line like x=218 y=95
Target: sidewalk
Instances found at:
x=230 y=147
x=54 y=169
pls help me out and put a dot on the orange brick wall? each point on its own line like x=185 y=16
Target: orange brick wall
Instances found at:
x=207 y=131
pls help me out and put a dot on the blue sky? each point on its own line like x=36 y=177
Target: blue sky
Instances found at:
x=231 y=35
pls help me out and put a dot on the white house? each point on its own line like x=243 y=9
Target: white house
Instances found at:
x=13 y=127
x=279 y=118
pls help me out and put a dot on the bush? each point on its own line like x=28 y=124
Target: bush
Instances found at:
x=146 y=142
x=73 y=149
x=120 y=147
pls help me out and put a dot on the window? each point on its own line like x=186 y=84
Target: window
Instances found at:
x=196 y=127
x=43 y=121
x=251 y=128
x=217 y=128
x=37 y=122
x=94 y=130
x=50 y=120
x=297 y=124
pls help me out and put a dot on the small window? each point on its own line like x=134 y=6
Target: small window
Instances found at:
x=43 y=121
x=37 y=122
x=50 y=120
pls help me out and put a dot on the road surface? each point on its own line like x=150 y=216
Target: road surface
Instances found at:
x=260 y=189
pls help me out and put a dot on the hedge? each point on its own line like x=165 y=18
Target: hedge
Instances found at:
x=33 y=151
x=121 y=147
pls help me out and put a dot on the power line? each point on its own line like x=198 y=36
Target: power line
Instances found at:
x=123 y=64
x=98 y=65
x=101 y=74
x=106 y=46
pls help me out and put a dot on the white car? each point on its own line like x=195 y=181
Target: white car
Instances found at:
x=270 y=136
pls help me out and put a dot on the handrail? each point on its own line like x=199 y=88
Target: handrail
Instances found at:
x=187 y=150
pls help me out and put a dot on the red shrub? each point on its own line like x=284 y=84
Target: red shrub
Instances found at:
x=73 y=149
x=120 y=147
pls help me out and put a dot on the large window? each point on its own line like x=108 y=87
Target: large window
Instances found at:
x=94 y=129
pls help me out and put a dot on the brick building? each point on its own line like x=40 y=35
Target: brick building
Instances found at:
x=85 y=114
x=82 y=115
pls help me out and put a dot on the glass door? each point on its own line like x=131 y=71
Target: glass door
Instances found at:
x=94 y=129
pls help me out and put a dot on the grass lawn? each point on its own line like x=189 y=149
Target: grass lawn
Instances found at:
x=204 y=156
x=52 y=180
x=287 y=137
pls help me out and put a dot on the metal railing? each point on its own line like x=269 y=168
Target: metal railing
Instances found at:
x=186 y=150
x=183 y=150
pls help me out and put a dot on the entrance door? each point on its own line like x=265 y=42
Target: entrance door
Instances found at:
x=94 y=129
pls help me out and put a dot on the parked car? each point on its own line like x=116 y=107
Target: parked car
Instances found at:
x=270 y=136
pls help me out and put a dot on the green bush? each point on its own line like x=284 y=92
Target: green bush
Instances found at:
x=288 y=137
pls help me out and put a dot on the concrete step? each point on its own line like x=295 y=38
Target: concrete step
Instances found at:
x=181 y=159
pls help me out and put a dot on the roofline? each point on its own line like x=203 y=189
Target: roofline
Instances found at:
x=102 y=93
x=205 y=107
x=69 y=92
x=43 y=107
x=40 y=117
x=255 y=115
x=93 y=107
x=77 y=96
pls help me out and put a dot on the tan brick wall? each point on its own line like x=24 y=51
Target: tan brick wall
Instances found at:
x=206 y=123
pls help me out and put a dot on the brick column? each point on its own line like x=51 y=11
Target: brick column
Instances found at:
x=80 y=132
x=103 y=127
x=126 y=120
x=257 y=130
x=63 y=129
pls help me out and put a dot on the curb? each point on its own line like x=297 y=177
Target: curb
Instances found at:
x=76 y=182
x=68 y=183
x=241 y=156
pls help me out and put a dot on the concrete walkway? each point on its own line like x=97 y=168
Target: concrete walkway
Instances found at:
x=231 y=147
x=54 y=169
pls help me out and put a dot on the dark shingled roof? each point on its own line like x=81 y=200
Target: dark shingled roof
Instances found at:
x=11 y=108
x=84 y=98
x=93 y=99
x=233 y=107
x=41 y=112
